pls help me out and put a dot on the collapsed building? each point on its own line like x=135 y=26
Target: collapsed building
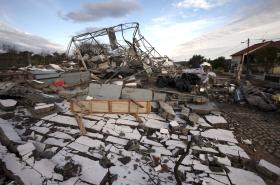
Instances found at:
x=121 y=46
x=111 y=114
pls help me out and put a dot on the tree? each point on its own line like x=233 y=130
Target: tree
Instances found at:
x=267 y=58
x=9 y=48
x=219 y=63
x=196 y=60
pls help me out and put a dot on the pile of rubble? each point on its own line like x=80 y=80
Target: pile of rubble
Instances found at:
x=118 y=120
x=43 y=144
x=226 y=90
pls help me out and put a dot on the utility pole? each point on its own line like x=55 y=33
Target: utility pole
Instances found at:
x=240 y=65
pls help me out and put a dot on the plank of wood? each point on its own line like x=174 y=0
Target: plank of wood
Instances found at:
x=112 y=106
x=79 y=120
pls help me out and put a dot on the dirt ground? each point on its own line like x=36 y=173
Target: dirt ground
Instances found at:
x=262 y=128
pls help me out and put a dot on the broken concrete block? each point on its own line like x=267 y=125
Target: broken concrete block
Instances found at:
x=94 y=89
x=7 y=133
x=156 y=124
x=159 y=96
x=193 y=118
x=88 y=167
x=26 y=148
x=200 y=100
x=105 y=91
x=137 y=94
x=145 y=140
x=175 y=143
x=117 y=140
x=205 y=150
x=174 y=123
x=220 y=135
x=42 y=108
x=233 y=151
x=268 y=170
x=204 y=108
x=166 y=110
x=164 y=131
x=247 y=141
x=158 y=168
x=202 y=123
x=185 y=113
x=12 y=163
x=241 y=177
x=45 y=167
x=223 y=161
x=8 y=104
x=216 y=120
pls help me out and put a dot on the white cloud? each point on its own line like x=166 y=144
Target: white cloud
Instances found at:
x=200 y=4
x=213 y=37
x=255 y=23
x=25 y=41
x=166 y=34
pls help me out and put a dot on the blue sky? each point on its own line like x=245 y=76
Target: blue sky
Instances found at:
x=177 y=28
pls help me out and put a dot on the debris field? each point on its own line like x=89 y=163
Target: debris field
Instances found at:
x=118 y=113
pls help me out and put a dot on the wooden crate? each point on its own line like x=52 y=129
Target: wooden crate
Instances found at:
x=111 y=106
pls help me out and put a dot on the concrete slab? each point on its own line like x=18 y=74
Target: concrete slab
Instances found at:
x=137 y=94
x=204 y=108
x=105 y=91
x=159 y=96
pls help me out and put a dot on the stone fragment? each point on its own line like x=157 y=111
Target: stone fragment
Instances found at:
x=193 y=118
x=241 y=177
x=42 y=108
x=25 y=148
x=203 y=108
x=8 y=104
x=220 y=135
x=174 y=123
x=247 y=141
x=156 y=124
x=164 y=131
x=159 y=96
x=166 y=110
x=200 y=100
x=185 y=113
x=268 y=170
x=216 y=119
x=158 y=168
x=105 y=91
x=137 y=94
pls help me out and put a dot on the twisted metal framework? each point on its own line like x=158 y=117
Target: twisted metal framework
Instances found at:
x=135 y=48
